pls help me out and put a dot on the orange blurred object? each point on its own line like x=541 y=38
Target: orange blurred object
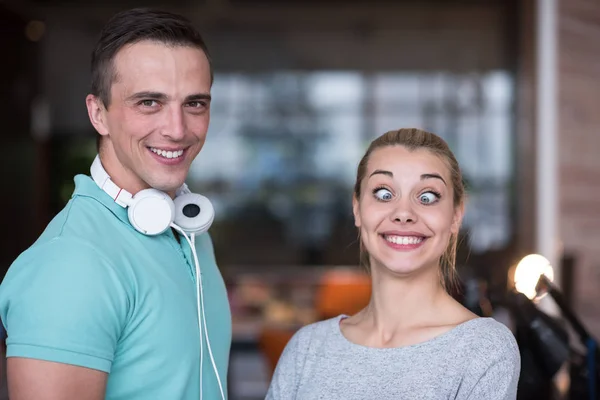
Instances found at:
x=271 y=342
x=342 y=291
x=339 y=291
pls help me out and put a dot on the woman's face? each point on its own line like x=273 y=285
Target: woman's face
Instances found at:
x=405 y=212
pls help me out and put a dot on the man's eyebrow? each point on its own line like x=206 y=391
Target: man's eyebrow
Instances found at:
x=198 y=96
x=147 y=95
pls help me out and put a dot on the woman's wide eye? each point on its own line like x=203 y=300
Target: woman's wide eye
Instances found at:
x=383 y=194
x=427 y=198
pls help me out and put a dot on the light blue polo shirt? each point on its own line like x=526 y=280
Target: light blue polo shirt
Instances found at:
x=93 y=292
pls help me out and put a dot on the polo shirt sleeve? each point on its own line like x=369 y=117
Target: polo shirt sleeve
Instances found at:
x=63 y=301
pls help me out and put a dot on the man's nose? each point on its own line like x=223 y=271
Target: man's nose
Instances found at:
x=175 y=125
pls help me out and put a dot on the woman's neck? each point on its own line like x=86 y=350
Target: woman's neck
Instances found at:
x=400 y=303
x=405 y=310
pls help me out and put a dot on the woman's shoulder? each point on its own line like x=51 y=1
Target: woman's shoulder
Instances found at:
x=314 y=335
x=488 y=329
x=309 y=339
x=489 y=337
x=318 y=330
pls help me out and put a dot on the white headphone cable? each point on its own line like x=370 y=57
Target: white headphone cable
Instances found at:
x=201 y=313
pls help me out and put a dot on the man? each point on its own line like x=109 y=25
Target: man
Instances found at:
x=95 y=309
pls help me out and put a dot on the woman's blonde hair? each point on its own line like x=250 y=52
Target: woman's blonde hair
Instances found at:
x=415 y=139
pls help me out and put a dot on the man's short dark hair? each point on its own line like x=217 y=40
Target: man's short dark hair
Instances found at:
x=132 y=26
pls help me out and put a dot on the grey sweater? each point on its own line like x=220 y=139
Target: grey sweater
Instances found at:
x=477 y=360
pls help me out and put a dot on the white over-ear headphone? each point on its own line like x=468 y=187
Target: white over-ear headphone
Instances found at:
x=152 y=211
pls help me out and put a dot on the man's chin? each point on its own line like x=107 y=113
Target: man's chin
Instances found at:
x=167 y=187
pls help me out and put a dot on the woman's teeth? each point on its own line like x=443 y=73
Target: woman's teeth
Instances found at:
x=403 y=239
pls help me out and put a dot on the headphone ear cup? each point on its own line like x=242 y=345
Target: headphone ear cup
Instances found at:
x=151 y=212
x=194 y=213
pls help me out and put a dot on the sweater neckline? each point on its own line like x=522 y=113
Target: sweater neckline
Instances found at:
x=445 y=336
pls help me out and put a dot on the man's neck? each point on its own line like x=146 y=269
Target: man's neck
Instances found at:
x=121 y=176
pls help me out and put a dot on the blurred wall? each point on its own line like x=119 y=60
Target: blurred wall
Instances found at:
x=452 y=36
x=579 y=147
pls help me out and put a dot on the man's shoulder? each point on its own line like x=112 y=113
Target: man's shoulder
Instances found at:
x=67 y=242
x=62 y=246
x=60 y=257
x=85 y=216
x=78 y=215
x=77 y=229
x=66 y=234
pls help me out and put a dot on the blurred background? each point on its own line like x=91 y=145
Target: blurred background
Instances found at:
x=301 y=88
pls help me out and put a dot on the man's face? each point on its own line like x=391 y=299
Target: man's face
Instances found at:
x=158 y=116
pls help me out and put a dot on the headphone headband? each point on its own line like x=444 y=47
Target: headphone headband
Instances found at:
x=121 y=196
x=183 y=190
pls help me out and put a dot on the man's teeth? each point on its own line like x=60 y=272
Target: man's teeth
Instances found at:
x=403 y=239
x=167 y=154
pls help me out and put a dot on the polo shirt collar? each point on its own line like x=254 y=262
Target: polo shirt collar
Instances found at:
x=86 y=187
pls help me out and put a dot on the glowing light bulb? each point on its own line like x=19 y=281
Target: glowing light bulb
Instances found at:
x=528 y=272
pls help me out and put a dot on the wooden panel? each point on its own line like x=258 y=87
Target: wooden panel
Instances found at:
x=579 y=145
x=525 y=125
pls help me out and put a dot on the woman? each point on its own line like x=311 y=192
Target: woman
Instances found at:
x=413 y=340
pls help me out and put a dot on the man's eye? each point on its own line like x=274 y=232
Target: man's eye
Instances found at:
x=197 y=104
x=148 y=103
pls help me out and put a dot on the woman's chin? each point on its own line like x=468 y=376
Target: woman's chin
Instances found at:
x=404 y=268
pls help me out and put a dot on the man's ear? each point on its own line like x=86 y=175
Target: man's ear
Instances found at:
x=97 y=114
x=459 y=213
x=355 y=211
